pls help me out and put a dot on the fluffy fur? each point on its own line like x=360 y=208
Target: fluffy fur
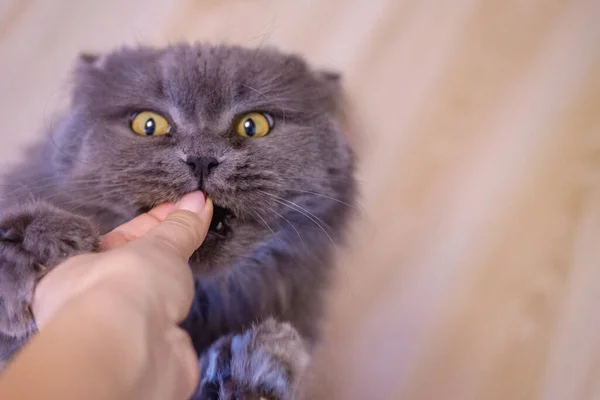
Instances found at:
x=287 y=194
x=262 y=363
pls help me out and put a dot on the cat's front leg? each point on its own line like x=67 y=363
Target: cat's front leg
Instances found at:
x=262 y=363
x=34 y=238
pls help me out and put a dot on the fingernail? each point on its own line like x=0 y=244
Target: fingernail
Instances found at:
x=193 y=202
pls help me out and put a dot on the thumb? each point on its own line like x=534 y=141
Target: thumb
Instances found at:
x=184 y=229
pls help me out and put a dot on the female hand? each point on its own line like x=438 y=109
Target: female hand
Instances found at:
x=142 y=287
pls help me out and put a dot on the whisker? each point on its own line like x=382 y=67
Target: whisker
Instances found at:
x=264 y=222
x=325 y=196
x=313 y=178
x=304 y=212
x=284 y=176
x=290 y=223
x=80 y=189
x=68 y=186
x=268 y=99
x=83 y=201
x=22 y=187
x=294 y=204
x=85 y=196
x=72 y=157
x=36 y=184
x=284 y=201
x=360 y=209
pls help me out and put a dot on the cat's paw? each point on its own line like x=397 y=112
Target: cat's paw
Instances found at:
x=262 y=363
x=34 y=238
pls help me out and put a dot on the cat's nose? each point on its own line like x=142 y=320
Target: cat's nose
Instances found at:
x=202 y=167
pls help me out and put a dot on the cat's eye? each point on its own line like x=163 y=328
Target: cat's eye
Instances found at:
x=148 y=123
x=254 y=125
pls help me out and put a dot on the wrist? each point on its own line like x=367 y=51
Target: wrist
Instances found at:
x=96 y=337
x=125 y=331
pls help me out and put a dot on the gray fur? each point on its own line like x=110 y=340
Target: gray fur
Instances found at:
x=289 y=191
x=262 y=363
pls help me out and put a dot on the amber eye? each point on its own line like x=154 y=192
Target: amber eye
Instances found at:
x=254 y=125
x=148 y=123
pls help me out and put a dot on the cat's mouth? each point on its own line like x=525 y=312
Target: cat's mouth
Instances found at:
x=219 y=225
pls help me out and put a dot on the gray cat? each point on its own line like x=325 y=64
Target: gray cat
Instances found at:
x=258 y=131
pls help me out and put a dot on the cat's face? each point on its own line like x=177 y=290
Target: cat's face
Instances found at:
x=252 y=128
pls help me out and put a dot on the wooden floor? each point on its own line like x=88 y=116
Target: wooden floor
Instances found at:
x=476 y=271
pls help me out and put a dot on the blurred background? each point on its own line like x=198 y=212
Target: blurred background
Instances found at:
x=475 y=270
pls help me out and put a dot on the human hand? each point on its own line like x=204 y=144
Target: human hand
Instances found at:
x=144 y=284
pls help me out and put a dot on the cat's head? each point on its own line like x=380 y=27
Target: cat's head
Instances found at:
x=256 y=129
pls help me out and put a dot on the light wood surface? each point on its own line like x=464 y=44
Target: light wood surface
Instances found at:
x=475 y=272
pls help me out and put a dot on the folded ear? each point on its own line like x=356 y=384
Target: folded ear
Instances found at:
x=88 y=58
x=86 y=61
x=332 y=81
x=330 y=76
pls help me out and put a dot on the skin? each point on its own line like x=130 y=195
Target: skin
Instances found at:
x=138 y=292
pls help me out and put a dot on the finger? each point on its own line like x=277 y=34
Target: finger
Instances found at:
x=184 y=230
x=187 y=360
x=137 y=227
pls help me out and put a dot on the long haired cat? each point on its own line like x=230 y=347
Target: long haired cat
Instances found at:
x=258 y=131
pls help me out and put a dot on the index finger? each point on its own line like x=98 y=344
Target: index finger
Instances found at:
x=137 y=227
x=184 y=230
